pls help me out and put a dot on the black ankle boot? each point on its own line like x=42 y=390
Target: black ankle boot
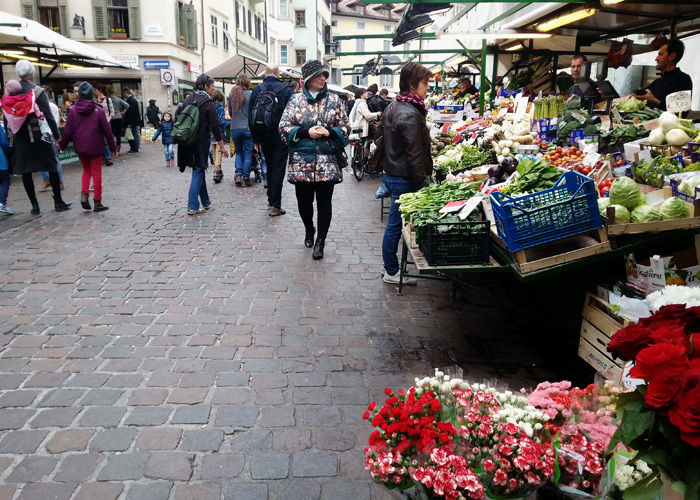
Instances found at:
x=85 y=200
x=309 y=238
x=318 y=248
x=35 y=208
x=61 y=205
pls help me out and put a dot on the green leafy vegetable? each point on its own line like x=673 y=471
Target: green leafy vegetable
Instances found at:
x=535 y=176
x=624 y=191
x=674 y=208
x=645 y=213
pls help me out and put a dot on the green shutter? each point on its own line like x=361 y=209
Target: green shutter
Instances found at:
x=29 y=10
x=191 y=27
x=63 y=17
x=134 y=19
x=99 y=18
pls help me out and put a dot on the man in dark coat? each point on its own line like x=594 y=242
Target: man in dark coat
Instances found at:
x=31 y=154
x=153 y=113
x=133 y=119
x=273 y=148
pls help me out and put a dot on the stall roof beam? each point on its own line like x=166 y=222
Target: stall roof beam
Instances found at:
x=368 y=2
x=504 y=15
x=463 y=12
x=650 y=28
x=397 y=52
x=424 y=36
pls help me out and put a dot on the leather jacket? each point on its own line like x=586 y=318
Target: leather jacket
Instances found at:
x=406 y=143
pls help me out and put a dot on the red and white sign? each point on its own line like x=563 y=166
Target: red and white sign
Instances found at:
x=167 y=77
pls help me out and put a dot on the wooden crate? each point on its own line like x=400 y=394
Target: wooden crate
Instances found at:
x=598 y=326
x=693 y=222
x=557 y=252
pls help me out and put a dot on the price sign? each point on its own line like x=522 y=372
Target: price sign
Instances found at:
x=679 y=101
x=578 y=116
x=651 y=124
x=605 y=123
x=591 y=159
x=469 y=206
x=616 y=115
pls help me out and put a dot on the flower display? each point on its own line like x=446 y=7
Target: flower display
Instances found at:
x=661 y=418
x=673 y=294
x=455 y=440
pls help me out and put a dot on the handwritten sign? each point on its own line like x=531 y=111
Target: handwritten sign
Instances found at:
x=578 y=116
x=679 y=101
x=605 y=123
x=591 y=159
x=469 y=206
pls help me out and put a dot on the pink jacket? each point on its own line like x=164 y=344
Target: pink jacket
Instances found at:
x=87 y=127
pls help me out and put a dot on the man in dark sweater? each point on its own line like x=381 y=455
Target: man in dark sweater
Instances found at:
x=672 y=78
x=274 y=150
x=133 y=120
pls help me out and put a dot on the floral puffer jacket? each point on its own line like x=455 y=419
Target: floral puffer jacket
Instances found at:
x=314 y=160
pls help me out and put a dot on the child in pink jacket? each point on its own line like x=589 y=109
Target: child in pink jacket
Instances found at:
x=87 y=127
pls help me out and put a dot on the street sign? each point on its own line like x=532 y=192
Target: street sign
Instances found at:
x=156 y=64
x=167 y=77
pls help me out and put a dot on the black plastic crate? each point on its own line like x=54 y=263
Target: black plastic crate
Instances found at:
x=456 y=243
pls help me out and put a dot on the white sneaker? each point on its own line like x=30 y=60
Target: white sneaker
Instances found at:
x=4 y=209
x=394 y=279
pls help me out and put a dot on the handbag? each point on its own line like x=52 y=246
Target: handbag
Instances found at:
x=376 y=161
x=129 y=135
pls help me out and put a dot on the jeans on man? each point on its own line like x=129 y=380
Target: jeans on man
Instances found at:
x=135 y=143
x=107 y=154
x=276 y=153
x=198 y=190
x=392 y=234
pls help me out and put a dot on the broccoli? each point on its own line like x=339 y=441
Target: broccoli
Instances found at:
x=590 y=129
x=573 y=104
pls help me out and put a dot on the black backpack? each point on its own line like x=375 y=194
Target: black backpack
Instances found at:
x=186 y=127
x=267 y=110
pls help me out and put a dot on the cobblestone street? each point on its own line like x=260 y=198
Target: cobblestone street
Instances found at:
x=150 y=355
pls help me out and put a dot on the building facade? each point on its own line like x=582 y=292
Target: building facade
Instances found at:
x=168 y=43
x=351 y=17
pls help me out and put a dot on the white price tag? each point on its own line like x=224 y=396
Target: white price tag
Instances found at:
x=645 y=155
x=521 y=106
x=591 y=159
x=579 y=117
x=605 y=123
x=679 y=101
x=626 y=380
x=469 y=206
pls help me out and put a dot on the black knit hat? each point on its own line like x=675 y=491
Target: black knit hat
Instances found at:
x=311 y=69
x=85 y=91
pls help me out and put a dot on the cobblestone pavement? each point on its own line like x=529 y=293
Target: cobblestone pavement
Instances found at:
x=148 y=354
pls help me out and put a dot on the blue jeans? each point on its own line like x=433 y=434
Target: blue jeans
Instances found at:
x=5 y=186
x=135 y=144
x=243 y=142
x=168 y=150
x=392 y=234
x=45 y=175
x=107 y=154
x=198 y=190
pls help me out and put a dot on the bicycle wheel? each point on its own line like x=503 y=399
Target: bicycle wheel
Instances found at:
x=358 y=167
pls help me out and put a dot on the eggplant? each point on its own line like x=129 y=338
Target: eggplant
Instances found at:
x=495 y=171
x=509 y=165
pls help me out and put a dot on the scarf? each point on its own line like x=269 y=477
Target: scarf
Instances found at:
x=414 y=99
x=237 y=98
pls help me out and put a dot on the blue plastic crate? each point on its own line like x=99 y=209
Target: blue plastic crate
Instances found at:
x=685 y=197
x=567 y=209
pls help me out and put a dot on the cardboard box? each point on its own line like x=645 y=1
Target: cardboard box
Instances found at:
x=680 y=268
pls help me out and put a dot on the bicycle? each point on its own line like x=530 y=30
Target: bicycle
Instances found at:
x=359 y=161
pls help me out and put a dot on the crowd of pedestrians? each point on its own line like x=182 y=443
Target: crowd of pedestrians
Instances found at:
x=296 y=132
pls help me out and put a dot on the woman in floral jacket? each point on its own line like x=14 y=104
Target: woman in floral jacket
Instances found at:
x=314 y=126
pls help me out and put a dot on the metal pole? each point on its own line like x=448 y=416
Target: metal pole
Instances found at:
x=483 y=78
x=494 y=75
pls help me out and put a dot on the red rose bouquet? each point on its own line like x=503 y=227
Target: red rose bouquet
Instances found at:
x=661 y=418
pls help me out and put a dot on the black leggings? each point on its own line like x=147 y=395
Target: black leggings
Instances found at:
x=305 y=201
x=55 y=187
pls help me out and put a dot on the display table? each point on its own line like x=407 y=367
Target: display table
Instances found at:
x=503 y=261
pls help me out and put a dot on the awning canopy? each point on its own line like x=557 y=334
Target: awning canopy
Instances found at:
x=25 y=39
x=232 y=67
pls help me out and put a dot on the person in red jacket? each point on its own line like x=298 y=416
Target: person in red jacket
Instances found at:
x=87 y=118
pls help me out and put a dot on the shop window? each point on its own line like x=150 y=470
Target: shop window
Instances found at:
x=214 y=31
x=387 y=45
x=386 y=80
x=387 y=28
x=335 y=76
x=116 y=19
x=300 y=18
x=48 y=14
x=301 y=57
x=360 y=26
x=359 y=45
x=187 y=25
x=284 y=54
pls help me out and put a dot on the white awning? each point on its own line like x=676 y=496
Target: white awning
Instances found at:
x=30 y=38
x=236 y=65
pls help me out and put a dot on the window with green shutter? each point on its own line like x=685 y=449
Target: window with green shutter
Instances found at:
x=99 y=18
x=187 y=25
x=29 y=9
x=134 y=19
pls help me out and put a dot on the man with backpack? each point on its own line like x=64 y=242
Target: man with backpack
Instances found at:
x=267 y=102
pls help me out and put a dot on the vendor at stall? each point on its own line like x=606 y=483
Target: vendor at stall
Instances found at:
x=576 y=63
x=465 y=87
x=672 y=78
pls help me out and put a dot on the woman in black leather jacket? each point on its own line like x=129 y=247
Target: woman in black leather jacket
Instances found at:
x=407 y=163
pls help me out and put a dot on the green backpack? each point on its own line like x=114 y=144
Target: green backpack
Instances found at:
x=186 y=128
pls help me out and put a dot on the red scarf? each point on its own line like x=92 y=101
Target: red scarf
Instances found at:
x=414 y=99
